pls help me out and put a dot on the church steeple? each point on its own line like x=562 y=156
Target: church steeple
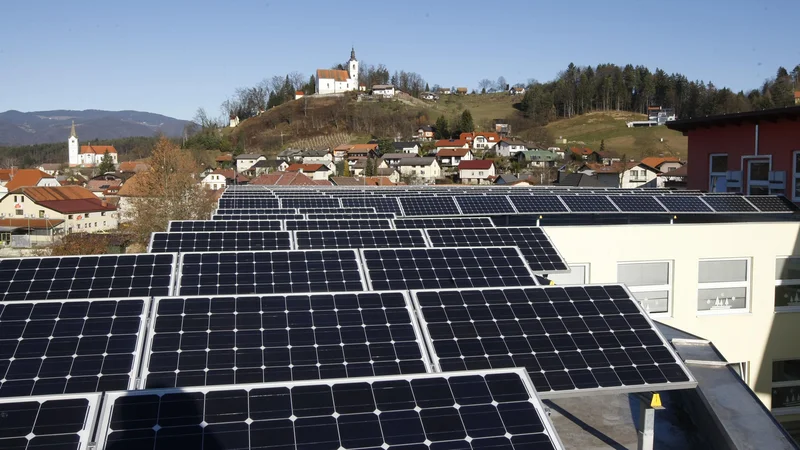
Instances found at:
x=72 y=133
x=352 y=54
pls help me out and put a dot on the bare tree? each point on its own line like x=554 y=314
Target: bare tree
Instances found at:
x=502 y=84
x=485 y=85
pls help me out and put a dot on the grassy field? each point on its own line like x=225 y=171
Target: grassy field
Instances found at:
x=484 y=108
x=589 y=129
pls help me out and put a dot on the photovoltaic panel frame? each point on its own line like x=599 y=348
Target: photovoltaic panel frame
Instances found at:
x=349 y=216
x=572 y=340
x=324 y=202
x=429 y=206
x=344 y=224
x=49 y=421
x=685 y=204
x=380 y=204
x=588 y=203
x=219 y=241
x=485 y=204
x=360 y=209
x=263 y=202
x=637 y=203
x=772 y=203
x=341 y=239
x=254 y=211
x=443 y=222
x=538 y=204
x=223 y=225
x=497 y=409
x=240 y=217
x=729 y=204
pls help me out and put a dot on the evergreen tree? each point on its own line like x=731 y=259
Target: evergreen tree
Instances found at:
x=466 y=124
x=427 y=88
x=346 y=169
x=106 y=164
x=369 y=170
x=602 y=145
x=442 y=130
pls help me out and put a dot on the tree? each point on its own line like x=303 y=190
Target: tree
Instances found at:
x=502 y=84
x=168 y=191
x=484 y=85
x=602 y=145
x=385 y=146
x=106 y=164
x=369 y=170
x=346 y=169
x=466 y=124
x=442 y=130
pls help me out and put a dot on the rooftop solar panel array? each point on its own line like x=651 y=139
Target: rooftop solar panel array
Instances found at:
x=210 y=241
x=429 y=206
x=310 y=203
x=336 y=210
x=443 y=222
x=349 y=216
x=224 y=225
x=380 y=204
x=234 y=202
x=241 y=217
x=342 y=239
x=538 y=204
x=255 y=211
x=200 y=341
x=343 y=224
x=480 y=204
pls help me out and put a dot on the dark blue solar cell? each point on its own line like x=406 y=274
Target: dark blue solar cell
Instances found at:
x=637 y=203
x=684 y=204
x=588 y=203
x=728 y=203
x=538 y=203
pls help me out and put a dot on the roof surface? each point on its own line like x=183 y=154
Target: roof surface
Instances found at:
x=451 y=143
x=248 y=156
x=39 y=224
x=65 y=199
x=580 y=179
x=26 y=177
x=399 y=155
x=448 y=152
x=402 y=145
x=331 y=74
x=581 y=151
x=422 y=161
x=98 y=149
x=655 y=161
x=775 y=114
x=307 y=167
x=682 y=171
x=133 y=166
x=476 y=164
x=283 y=179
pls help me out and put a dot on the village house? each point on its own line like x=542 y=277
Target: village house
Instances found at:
x=392 y=159
x=29 y=177
x=425 y=170
x=462 y=91
x=451 y=157
x=246 y=160
x=53 y=169
x=314 y=171
x=536 y=158
x=502 y=127
x=220 y=178
x=132 y=167
x=224 y=161
x=407 y=147
x=557 y=150
x=383 y=90
x=266 y=166
x=105 y=185
x=362 y=151
x=584 y=154
x=444 y=91
x=426 y=133
x=478 y=171
x=485 y=141
x=517 y=90
x=87 y=155
x=299 y=94
x=628 y=175
x=662 y=163
x=283 y=179
x=510 y=147
x=429 y=96
x=442 y=144
x=608 y=157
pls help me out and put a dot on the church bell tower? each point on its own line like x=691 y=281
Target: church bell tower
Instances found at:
x=73 y=146
x=353 y=68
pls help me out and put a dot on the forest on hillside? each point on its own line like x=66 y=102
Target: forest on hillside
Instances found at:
x=128 y=149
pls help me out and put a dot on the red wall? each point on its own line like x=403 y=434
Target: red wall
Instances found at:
x=776 y=139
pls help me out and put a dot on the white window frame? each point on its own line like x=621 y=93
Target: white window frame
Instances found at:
x=655 y=287
x=789 y=282
x=712 y=175
x=586 y=274
x=728 y=284
x=742 y=369
x=795 y=176
x=746 y=161
x=780 y=384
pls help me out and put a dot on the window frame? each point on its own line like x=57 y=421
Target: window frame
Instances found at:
x=586 y=273
x=747 y=284
x=786 y=282
x=653 y=287
x=782 y=384
x=712 y=174
x=795 y=176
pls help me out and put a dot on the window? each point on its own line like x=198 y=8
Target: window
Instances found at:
x=70 y=216
x=723 y=285
x=718 y=166
x=578 y=274
x=742 y=369
x=796 y=176
x=103 y=213
x=79 y=226
x=758 y=177
x=649 y=282
x=41 y=214
x=22 y=199
x=786 y=384
x=104 y=223
x=787 y=283
x=18 y=212
x=87 y=215
x=15 y=199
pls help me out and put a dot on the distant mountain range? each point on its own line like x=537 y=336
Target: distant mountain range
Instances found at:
x=42 y=127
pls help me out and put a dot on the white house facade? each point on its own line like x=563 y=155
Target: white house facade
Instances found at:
x=510 y=147
x=423 y=169
x=245 y=161
x=383 y=90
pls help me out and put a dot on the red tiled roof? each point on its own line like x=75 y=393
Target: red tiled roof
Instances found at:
x=476 y=164
x=363 y=147
x=490 y=136
x=446 y=152
x=581 y=151
x=453 y=143
x=466 y=136
x=299 y=93
x=224 y=158
x=26 y=177
x=39 y=224
x=682 y=171
x=98 y=149
x=655 y=161
x=65 y=199
x=336 y=75
x=306 y=167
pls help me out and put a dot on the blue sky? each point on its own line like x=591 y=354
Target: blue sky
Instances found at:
x=173 y=56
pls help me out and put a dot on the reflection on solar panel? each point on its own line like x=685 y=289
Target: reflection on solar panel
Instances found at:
x=588 y=203
x=107 y=276
x=209 y=241
x=310 y=203
x=359 y=239
x=224 y=340
x=637 y=204
x=355 y=224
x=440 y=268
x=444 y=222
x=255 y=211
x=269 y=272
x=224 y=225
x=483 y=410
x=239 y=217
x=249 y=203
x=349 y=216
x=483 y=204
x=538 y=204
x=44 y=422
x=54 y=347
x=336 y=210
x=772 y=203
x=573 y=338
x=684 y=204
x=429 y=206
x=540 y=253
x=380 y=204
x=728 y=203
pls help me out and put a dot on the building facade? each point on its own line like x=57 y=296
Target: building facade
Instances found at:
x=331 y=81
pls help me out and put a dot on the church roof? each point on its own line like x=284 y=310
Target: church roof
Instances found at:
x=335 y=75
x=72 y=132
x=98 y=149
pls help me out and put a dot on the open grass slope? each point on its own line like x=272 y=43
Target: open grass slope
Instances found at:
x=484 y=108
x=589 y=129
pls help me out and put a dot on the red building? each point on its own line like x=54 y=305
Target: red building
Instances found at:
x=755 y=152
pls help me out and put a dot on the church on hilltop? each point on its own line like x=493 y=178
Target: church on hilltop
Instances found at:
x=331 y=81
x=87 y=155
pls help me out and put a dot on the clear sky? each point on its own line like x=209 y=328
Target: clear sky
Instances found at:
x=172 y=56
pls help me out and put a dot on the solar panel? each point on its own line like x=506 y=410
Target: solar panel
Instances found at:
x=354 y=224
x=777 y=203
x=443 y=222
x=729 y=203
x=440 y=268
x=336 y=239
x=429 y=206
x=337 y=210
x=481 y=410
x=380 y=204
x=269 y=272
x=684 y=204
x=224 y=225
x=254 y=211
x=201 y=341
x=310 y=203
x=349 y=216
x=485 y=204
x=69 y=277
x=588 y=203
x=209 y=241
x=570 y=339
x=534 y=244
x=241 y=217
x=637 y=203
x=234 y=202
x=538 y=204
x=54 y=347
x=48 y=422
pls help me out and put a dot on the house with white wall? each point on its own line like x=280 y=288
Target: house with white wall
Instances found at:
x=77 y=206
x=452 y=157
x=510 y=147
x=316 y=172
x=425 y=170
x=478 y=171
x=407 y=147
x=383 y=90
x=485 y=141
x=246 y=160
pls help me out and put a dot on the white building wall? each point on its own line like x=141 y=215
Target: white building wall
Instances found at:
x=214 y=181
x=74 y=149
x=757 y=335
x=643 y=178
